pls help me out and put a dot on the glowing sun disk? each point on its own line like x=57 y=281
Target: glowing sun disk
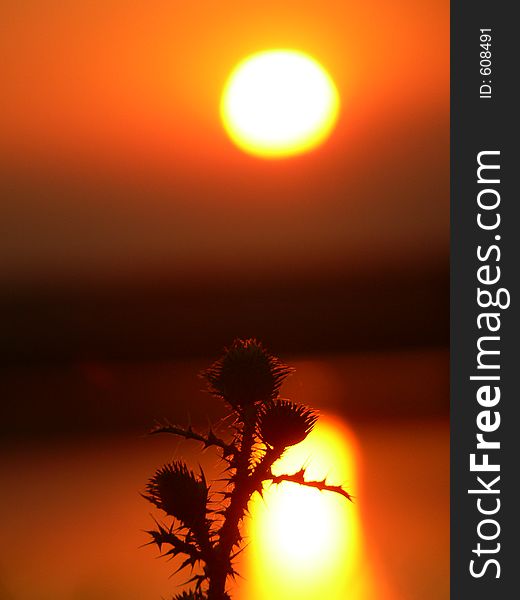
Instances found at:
x=278 y=103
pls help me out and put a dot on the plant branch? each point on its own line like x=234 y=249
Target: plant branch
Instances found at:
x=299 y=478
x=210 y=439
x=163 y=536
x=262 y=470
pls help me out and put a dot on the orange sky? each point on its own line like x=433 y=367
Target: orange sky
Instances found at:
x=114 y=159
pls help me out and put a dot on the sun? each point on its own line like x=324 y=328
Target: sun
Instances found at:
x=278 y=103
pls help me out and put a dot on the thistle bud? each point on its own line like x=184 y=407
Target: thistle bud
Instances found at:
x=246 y=375
x=283 y=423
x=180 y=493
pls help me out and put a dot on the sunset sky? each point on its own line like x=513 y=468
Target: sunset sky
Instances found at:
x=114 y=161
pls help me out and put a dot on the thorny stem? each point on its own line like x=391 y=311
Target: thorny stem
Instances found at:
x=189 y=434
x=229 y=534
x=298 y=478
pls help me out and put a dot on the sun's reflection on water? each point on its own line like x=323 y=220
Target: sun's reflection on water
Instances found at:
x=304 y=543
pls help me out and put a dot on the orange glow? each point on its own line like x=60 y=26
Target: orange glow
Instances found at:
x=114 y=83
x=116 y=162
x=304 y=543
x=278 y=103
x=402 y=550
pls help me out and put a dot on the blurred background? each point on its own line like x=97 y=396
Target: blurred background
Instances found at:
x=136 y=241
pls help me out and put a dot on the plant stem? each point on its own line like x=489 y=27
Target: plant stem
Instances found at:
x=230 y=530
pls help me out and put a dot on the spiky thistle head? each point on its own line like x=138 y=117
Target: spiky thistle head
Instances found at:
x=246 y=375
x=180 y=493
x=283 y=423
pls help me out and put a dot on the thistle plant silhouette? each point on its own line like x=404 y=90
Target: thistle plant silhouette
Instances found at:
x=203 y=523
